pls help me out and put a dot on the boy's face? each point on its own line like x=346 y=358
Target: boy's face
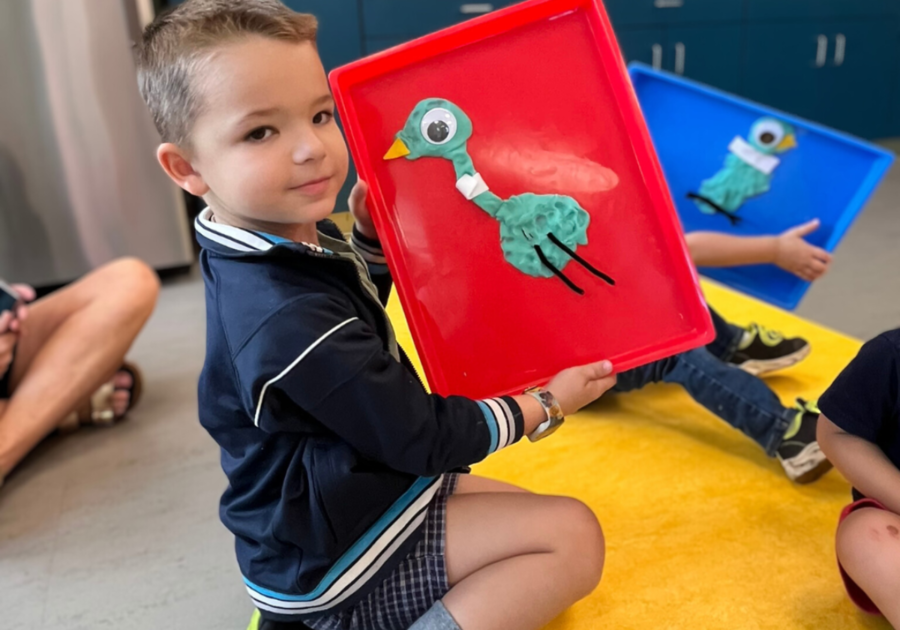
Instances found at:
x=266 y=142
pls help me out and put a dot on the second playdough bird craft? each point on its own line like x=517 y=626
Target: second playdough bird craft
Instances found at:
x=748 y=169
x=539 y=234
x=745 y=169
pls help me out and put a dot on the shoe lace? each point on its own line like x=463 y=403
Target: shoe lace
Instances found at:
x=768 y=336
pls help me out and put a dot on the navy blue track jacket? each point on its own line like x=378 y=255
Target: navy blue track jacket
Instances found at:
x=332 y=446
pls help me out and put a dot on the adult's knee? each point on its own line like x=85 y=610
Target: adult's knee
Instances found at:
x=866 y=539
x=132 y=281
x=584 y=547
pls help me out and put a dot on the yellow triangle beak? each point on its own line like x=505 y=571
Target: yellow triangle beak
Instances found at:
x=789 y=142
x=397 y=150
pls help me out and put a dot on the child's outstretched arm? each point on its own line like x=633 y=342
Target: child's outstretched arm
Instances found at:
x=338 y=371
x=788 y=251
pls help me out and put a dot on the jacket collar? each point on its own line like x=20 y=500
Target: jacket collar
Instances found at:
x=234 y=241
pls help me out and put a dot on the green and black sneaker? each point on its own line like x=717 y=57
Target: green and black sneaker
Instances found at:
x=799 y=453
x=258 y=623
x=762 y=351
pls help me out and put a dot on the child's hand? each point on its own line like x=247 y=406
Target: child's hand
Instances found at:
x=579 y=386
x=799 y=257
x=360 y=210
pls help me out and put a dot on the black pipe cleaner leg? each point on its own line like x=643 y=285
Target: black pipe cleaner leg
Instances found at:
x=580 y=260
x=559 y=274
x=733 y=218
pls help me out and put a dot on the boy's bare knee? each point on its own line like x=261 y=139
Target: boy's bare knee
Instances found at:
x=584 y=547
x=866 y=537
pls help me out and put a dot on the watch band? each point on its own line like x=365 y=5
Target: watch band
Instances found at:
x=555 y=416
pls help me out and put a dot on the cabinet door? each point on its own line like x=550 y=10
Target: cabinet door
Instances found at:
x=709 y=54
x=634 y=12
x=856 y=82
x=412 y=18
x=782 y=66
x=817 y=9
x=340 y=37
x=646 y=45
x=836 y=73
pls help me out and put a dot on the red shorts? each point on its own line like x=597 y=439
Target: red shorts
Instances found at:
x=856 y=594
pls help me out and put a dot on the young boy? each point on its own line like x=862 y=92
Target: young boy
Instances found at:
x=860 y=432
x=723 y=376
x=342 y=497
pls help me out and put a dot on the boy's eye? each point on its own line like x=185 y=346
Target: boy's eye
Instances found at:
x=323 y=118
x=260 y=134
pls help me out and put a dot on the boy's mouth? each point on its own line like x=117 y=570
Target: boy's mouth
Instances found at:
x=313 y=187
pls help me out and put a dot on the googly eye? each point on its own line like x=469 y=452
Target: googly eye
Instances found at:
x=439 y=126
x=768 y=133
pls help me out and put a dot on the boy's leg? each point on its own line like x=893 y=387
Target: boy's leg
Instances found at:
x=515 y=559
x=746 y=403
x=728 y=337
x=868 y=548
x=73 y=341
x=743 y=401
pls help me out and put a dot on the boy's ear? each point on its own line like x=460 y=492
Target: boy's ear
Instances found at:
x=176 y=165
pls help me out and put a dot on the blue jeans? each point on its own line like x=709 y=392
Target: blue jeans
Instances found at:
x=740 y=399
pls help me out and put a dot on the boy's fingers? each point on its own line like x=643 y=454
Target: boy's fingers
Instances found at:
x=599 y=370
x=358 y=195
x=823 y=256
x=806 y=228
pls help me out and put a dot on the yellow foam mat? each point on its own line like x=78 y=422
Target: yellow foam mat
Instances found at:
x=703 y=530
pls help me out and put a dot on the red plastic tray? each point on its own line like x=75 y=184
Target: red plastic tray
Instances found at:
x=552 y=110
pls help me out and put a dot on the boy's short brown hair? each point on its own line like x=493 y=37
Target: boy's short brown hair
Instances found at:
x=174 y=47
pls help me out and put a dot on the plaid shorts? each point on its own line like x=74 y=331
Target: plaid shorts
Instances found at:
x=418 y=582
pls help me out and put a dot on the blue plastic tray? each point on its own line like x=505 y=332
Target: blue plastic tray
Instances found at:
x=828 y=175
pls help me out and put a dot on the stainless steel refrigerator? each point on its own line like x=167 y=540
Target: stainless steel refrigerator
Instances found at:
x=79 y=182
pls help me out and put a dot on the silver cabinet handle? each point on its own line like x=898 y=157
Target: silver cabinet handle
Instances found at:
x=657 y=56
x=822 y=51
x=680 y=53
x=476 y=8
x=668 y=4
x=840 y=49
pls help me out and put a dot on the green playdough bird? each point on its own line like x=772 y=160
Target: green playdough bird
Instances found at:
x=748 y=169
x=538 y=233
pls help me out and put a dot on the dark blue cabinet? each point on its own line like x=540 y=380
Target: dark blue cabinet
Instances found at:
x=758 y=10
x=385 y=18
x=839 y=73
x=833 y=61
x=646 y=45
x=635 y=12
x=710 y=54
x=340 y=33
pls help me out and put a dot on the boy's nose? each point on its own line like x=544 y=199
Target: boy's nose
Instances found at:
x=308 y=148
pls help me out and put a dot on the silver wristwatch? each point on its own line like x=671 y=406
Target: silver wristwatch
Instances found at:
x=555 y=417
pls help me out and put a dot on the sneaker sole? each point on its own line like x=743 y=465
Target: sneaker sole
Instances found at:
x=759 y=368
x=808 y=466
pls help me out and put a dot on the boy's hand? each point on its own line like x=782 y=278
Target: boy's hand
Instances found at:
x=579 y=386
x=360 y=210
x=795 y=255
